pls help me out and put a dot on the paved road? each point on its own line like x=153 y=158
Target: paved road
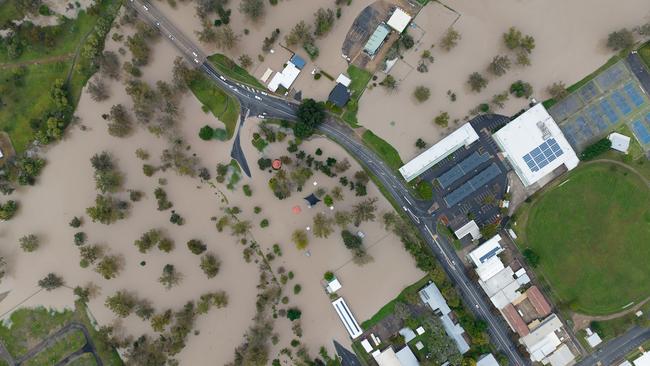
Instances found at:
x=640 y=70
x=616 y=349
x=265 y=105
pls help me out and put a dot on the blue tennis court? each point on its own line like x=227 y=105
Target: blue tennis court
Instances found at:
x=584 y=128
x=641 y=131
x=567 y=130
x=595 y=116
x=609 y=111
x=589 y=91
x=612 y=76
x=634 y=95
x=621 y=103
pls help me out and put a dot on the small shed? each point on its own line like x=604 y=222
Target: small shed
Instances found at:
x=399 y=20
x=343 y=79
x=339 y=96
x=619 y=142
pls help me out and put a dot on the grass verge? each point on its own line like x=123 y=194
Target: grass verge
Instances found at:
x=233 y=71
x=64 y=346
x=359 y=79
x=385 y=151
x=221 y=105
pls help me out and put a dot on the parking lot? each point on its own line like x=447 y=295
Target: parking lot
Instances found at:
x=470 y=183
x=611 y=99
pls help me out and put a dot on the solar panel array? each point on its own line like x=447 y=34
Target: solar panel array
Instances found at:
x=459 y=170
x=542 y=155
x=476 y=182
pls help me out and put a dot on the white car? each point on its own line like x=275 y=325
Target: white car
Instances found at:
x=145 y=7
x=260 y=116
x=157 y=24
x=258 y=98
x=171 y=37
x=263 y=93
x=194 y=53
x=222 y=78
x=196 y=60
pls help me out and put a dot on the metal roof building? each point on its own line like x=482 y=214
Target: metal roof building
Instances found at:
x=486 y=251
x=349 y=321
x=463 y=136
x=534 y=145
x=644 y=360
x=431 y=295
x=487 y=360
x=469 y=228
x=376 y=39
x=399 y=20
x=619 y=142
x=339 y=96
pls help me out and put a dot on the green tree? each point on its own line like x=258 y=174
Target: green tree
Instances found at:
x=477 y=82
x=531 y=257
x=75 y=222
x=210 y=265
x=293 y=314
x=406 y=40
x=557 y=90
x=512 y=38
x=389 y=83
x=442 y=119
x=421 y=93
x=206 y=133
x=160 y=321
x=300 y=239
x=499 y=65
x=8 y=210
x=450 y=39
x=364 y=211
x=310 y=115
x=109 y=266
x=170 y=277
x=225 y=38
x=324 y=21
x=620 y=39
x=120 y=124
x=196 y=246
x=107 y=210
x=350 y=240
x=253 y=9
x=521 y=89
x=322 y=227
x=121 y=303
x=50 y=282
x=300 y=34
x=420 y=144
x=29 y=243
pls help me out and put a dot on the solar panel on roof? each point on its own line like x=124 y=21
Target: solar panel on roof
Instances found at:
x=548 y=151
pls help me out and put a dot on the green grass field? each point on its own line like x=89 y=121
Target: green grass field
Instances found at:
x=221 y=105
x=359 y=79
x=383 y=149
x=26 y=327
x=644 y=52
x=591 y=234
x=230 y=69
x=59 y=350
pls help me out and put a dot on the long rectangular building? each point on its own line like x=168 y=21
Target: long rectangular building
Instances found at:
x=349 y=321
x=463 y=136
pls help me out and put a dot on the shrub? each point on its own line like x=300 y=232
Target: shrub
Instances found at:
x=264 y=223
x=296 y=289
x=29 y=243
x=477 y=82
x=531 y=257
x=596 y=149
x=75 y=222
x=52 y=281
x=421 y=93
x=80 y=238
x=329 y=276
x=247 y=190
x=293 y=314
x=196 y=246
x=521 y=89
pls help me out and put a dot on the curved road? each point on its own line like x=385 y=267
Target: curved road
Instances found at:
x=266 y=105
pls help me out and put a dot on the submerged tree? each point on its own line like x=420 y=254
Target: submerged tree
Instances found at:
x=50 y=282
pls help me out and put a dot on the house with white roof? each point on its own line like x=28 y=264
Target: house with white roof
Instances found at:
x=389 y=357
x=487 y=360
x=534 y=145
x=619 y=142
x=399 y=20
x=544 y=345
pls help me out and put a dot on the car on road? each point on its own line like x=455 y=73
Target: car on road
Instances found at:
x=171 y=37
x=258 y=98
x=222 y=78
x=263 y=93
x=260 y=116
x=194 y=53
x=145 y=7
x=157 y=24
x=196 y=60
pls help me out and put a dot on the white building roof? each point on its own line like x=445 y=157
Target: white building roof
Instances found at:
x=486 y=250
x=455 y=332
x=469 y=228
x=534 y=145
x=498 y=282
x=1 y=154
x=406 y=357
x=542 y=341
x=463 y=136
x=488 y=269
x=350 y=323
x=593 y=339
x=561 y=357
x=431 y=295
x=399 y=20
x=523 y=279
x=644 y=360
x=619 y=142
x=487 y=360
x=266 y=74
x=284 y=78
x=625 y=363
x=343 y=79
x=334 y=286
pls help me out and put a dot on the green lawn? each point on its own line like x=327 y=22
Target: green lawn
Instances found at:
x=644 y=52
x=26 y=327
x=385 y=151
x=56 y=352
x=230 y=69
x=359 y=79
x=223 y=106
x=591 y=234
x=87 y=359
